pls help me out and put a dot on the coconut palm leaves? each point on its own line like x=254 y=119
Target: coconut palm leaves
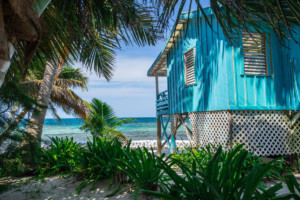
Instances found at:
x=102 y=121
x=86 y=31
x=233 y=15
x=62 y=95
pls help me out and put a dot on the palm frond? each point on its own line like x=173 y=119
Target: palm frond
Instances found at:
x=54 y=112
x=69 y=101
x=281 y=16
x=101 y=117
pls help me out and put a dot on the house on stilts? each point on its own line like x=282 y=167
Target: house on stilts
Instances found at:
x=247 y=91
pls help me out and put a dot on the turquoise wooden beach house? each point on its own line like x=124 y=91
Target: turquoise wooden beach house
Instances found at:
x=246 y=92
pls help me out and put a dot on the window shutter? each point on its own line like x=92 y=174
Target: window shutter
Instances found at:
x=254 y=51
x=189 y=62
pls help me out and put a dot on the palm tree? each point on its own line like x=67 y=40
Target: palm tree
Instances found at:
x=61 y=96
x=126 y=21
x=102 y=121
x=19 y=23
x=84 y=28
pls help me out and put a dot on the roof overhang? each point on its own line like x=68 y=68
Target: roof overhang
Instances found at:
x=159 y=67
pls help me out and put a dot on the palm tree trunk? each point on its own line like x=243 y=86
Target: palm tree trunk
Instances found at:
x=5 y=63
x=6 y=47
x=13 y=126
x=35 y=125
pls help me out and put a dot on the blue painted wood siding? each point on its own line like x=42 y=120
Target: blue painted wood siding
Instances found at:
x=219 y=73
x=291 y=58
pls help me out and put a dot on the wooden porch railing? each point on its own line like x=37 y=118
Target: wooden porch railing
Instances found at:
x=162 y=107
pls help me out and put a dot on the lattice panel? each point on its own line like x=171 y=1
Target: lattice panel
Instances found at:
x=211 y=127
x=262 y=132
x=296 y=138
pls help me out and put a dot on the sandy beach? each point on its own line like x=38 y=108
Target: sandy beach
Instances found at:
x=56 y=188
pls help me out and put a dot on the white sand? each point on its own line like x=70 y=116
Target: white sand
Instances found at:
x=56 y=188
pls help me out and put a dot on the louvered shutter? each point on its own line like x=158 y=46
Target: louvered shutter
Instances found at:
x=189 y=63
x=254 y=51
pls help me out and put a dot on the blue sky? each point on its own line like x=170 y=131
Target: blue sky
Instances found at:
x=130 y=92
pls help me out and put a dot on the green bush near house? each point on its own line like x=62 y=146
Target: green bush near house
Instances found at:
x=227 y=175
x=143 y=168
x=201 y=156
x=188 y=155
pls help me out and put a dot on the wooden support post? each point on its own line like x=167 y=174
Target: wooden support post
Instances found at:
x=158 y=121
x=187 y=130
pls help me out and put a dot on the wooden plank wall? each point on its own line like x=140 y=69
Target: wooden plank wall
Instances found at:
x=210 y=91
x=220 y=80
x=292 y=66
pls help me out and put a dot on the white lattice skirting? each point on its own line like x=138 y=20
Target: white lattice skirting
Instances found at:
x=264 y=133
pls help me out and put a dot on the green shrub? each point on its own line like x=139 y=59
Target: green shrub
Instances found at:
x=12 y=167
x=226 y=176
x=298 y=165
x=143 y=167
x=12 y=160
x=100 y=161
x=189 y=155
x=234 y=174
x=61 y=156
x=203 y=155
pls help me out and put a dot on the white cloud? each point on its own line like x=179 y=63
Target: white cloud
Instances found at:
x=130 y=92
x=126 y=69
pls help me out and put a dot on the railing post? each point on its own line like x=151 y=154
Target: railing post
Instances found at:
x=158 y=121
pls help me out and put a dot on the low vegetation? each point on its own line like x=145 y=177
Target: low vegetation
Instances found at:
x=206 y=173
x=201 y=156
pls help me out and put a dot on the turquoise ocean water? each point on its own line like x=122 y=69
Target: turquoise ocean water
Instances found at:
x=143 y=128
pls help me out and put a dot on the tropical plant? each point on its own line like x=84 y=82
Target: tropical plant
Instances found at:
x=143 y=167
x=102 y=121
x=93 y=37
x=61 y=96
x=11 y=163
x=100 y=160
x=92 y=29
x=222 y=179
x=225 y=174
x=202 y=155
x=59 y=157
x=54 y=86
x=188 y=155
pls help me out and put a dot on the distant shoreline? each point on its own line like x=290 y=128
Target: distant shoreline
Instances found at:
x=153 y=144
x=149 y=144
